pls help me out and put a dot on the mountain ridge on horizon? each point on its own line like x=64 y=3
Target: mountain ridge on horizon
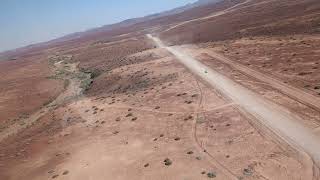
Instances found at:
x=124 y=23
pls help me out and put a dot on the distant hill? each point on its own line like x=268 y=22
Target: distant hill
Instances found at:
x=130 y=22
x=101 y=30
x=237 y=18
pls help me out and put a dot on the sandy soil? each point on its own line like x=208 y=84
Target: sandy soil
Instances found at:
x=25 y=87
x=126 y=133
x=111 y=105
x=73 y=90
x=284 y=124
x=248 y=19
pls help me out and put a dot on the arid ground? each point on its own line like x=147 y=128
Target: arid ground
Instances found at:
x=115 y=104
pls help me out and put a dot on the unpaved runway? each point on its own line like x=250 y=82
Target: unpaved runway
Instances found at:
x=294 y=93
x=277 y=118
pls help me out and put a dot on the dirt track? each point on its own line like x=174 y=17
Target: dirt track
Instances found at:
x=295 y=93
x=273 y=116
x=219 y=13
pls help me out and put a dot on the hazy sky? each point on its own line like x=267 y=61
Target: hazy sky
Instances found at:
x=24 y=22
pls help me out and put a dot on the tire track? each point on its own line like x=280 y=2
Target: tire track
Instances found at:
x=284 y=124
x=294 y=93
x=199 y=145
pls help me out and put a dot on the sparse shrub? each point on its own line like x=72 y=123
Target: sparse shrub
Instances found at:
x=134 y=119
x=54 y=176
x=211 y=175
x=194 y=95
x=304 y=73
x=66 y=84
x=190 y=152
x=167 y=162
x=85 y=85
x=247 y=171
x=129 y=115
x=188 y=118
x=95 y=73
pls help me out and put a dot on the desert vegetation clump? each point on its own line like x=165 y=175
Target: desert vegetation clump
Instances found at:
x=167 y=162
x=190 y=152
x=211 y=175
x=134 y=119
x=129 y=115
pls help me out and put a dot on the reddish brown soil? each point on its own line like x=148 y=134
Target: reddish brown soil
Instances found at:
x=25 y=87
x=128 y=133
x=293 y=59
x=143 y=106
x=107 y=56
x=257 y=17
